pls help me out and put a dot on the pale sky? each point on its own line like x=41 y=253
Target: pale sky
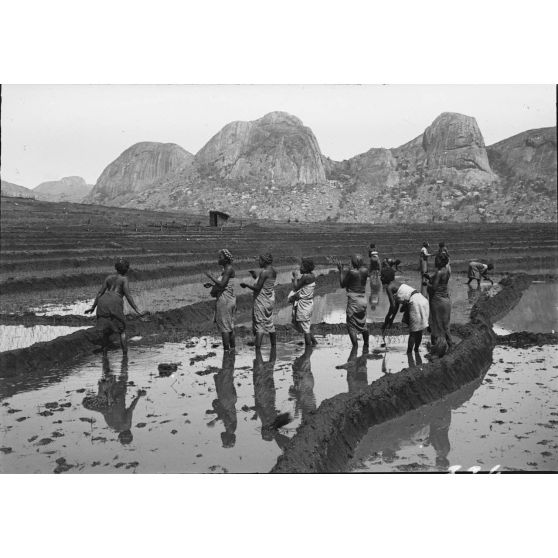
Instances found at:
x=53 y=131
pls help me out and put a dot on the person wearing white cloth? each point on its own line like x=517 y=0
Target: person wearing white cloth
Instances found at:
x=302 y=299
x=415 y=308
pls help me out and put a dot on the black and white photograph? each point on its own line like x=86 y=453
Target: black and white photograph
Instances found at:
x=278 y=279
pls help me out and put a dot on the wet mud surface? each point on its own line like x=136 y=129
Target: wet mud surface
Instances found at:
x=507 y=421
x=19 y=336
x=210 y=414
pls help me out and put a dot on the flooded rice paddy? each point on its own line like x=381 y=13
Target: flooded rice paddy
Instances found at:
x=507 y=421
x=537 y=311
x=160 y=295
x=215 y=413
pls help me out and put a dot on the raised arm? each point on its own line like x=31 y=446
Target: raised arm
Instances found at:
x=101 y=292
x=257 y=286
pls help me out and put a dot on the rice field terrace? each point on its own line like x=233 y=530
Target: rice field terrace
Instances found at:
x=221 y=412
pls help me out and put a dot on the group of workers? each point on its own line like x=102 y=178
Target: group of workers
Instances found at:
x=427 y=308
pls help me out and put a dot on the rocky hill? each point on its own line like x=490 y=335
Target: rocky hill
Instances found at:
x=15 y=191
x=273 y=168
x=69 y=188
x=135 y=171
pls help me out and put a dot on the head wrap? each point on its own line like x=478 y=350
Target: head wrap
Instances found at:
x=266 y=258
x=307 y=265
x=387 y=275
x=226 y=255
x=122 y=265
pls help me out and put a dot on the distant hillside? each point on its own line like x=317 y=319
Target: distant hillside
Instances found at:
x=70 y=188
x=273 y=168
x=13 y=190
x=135 y=171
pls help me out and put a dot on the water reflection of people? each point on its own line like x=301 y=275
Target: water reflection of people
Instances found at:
x=357 y=374
x=439 y=435
x=225 y=404
x=375 y=287
x=414 y=359
x=110 y=400
x=303 y=384
x=264 y=397
x=427 y=426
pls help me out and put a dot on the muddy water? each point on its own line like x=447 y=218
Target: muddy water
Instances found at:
x=537 y=311
x=330 y=308
x=19 y=336
x=213 y=415
x=508 y=421
x=179 y=292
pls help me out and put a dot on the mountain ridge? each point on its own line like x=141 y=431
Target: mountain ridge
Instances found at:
x=273 y=168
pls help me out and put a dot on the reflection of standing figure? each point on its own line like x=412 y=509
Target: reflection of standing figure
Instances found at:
x=111 y=401
x=375 y=287
x=264 y=397
x=225 y=404
x=357 y=374
x=439 y=435
x=303 y=384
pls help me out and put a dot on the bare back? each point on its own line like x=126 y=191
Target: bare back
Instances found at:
x=116 y=283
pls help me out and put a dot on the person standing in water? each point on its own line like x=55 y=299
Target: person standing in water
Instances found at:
x=440 y=306
x=302 y=298
x=423 y=267
x=225 y=304
x=353 y=280
x=415 y=308
x=442 y=249
x=264 y=300
x=478 y=271
x=374 y=267
x=109 y=303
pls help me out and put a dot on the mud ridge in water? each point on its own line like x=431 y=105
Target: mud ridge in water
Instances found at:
x=326 y=441
x=194 y=319
x=526 y=339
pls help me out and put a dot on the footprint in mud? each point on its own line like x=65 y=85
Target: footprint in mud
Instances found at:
x=6 y=450
x=32 y=439
x=21 y=419
x=12 y=411
x=44 y=441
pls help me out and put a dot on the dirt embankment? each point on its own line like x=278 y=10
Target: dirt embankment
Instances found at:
x=326 y=441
